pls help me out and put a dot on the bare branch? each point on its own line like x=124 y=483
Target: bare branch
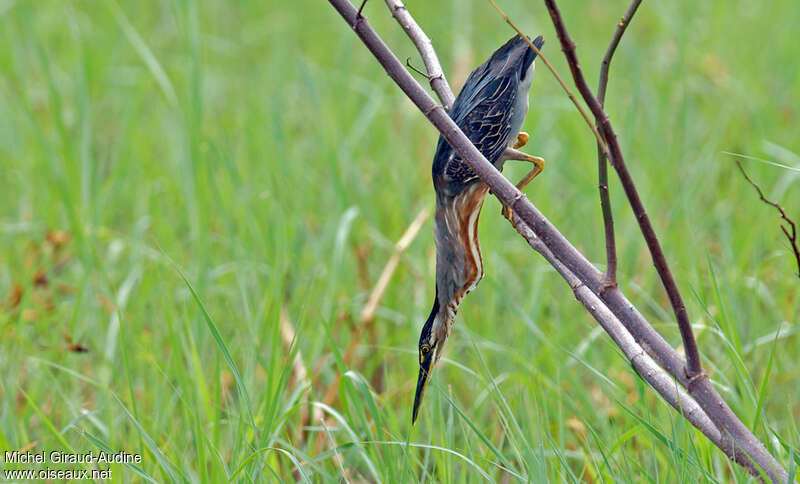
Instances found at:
x=612 y=48
x=610 y=275
x=645 y=366
x=602 y=160
x=791 y=232
x=693 y=367
x=425 y=47
x=664 y=384
x=742 y=446
x=698 y=383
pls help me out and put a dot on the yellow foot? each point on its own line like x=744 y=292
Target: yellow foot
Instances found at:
x=522 y=139
x=509 y=215
x=538 y=166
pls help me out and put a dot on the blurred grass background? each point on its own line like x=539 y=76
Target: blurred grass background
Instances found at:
x=257 y=149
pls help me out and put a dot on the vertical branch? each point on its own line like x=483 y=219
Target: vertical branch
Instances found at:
x=610 y=275
x=694 y=368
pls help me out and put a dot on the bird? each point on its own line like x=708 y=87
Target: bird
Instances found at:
x=490 y=110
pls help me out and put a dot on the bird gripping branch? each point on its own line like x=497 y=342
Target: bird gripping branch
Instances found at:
x=490 y=110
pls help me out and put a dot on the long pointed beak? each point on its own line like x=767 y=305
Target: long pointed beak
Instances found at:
x=425 y=367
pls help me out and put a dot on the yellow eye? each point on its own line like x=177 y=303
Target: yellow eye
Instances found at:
x=424 y=350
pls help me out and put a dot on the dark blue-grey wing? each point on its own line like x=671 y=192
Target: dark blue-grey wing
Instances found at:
x=487 y=123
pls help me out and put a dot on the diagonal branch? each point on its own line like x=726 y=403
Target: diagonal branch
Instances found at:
x=738 y=442
x=791 y=232
x=602 y=160
x=645 y=366
x=693 y=367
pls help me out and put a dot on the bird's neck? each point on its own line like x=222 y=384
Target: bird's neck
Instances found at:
x=459 y=264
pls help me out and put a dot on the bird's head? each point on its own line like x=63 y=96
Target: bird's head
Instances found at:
x=431 y=343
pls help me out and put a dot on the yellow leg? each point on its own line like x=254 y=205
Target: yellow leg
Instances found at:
x=538 y=166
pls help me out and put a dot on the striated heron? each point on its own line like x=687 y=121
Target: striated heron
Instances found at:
x=490 y=110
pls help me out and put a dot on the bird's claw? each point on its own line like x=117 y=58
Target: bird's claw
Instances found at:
x=538 y=166
x=522 y=139
x=508 y=213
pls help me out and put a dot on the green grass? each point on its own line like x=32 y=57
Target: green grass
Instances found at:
x=212 y=162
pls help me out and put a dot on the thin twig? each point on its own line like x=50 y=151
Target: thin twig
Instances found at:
x=612 y=48
x=693 y=367
x=742 y=441
x=411 y=66
x=791 y=232
x=602 y=160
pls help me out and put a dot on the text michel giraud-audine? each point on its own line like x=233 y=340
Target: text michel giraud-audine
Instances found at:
x=60 y=457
